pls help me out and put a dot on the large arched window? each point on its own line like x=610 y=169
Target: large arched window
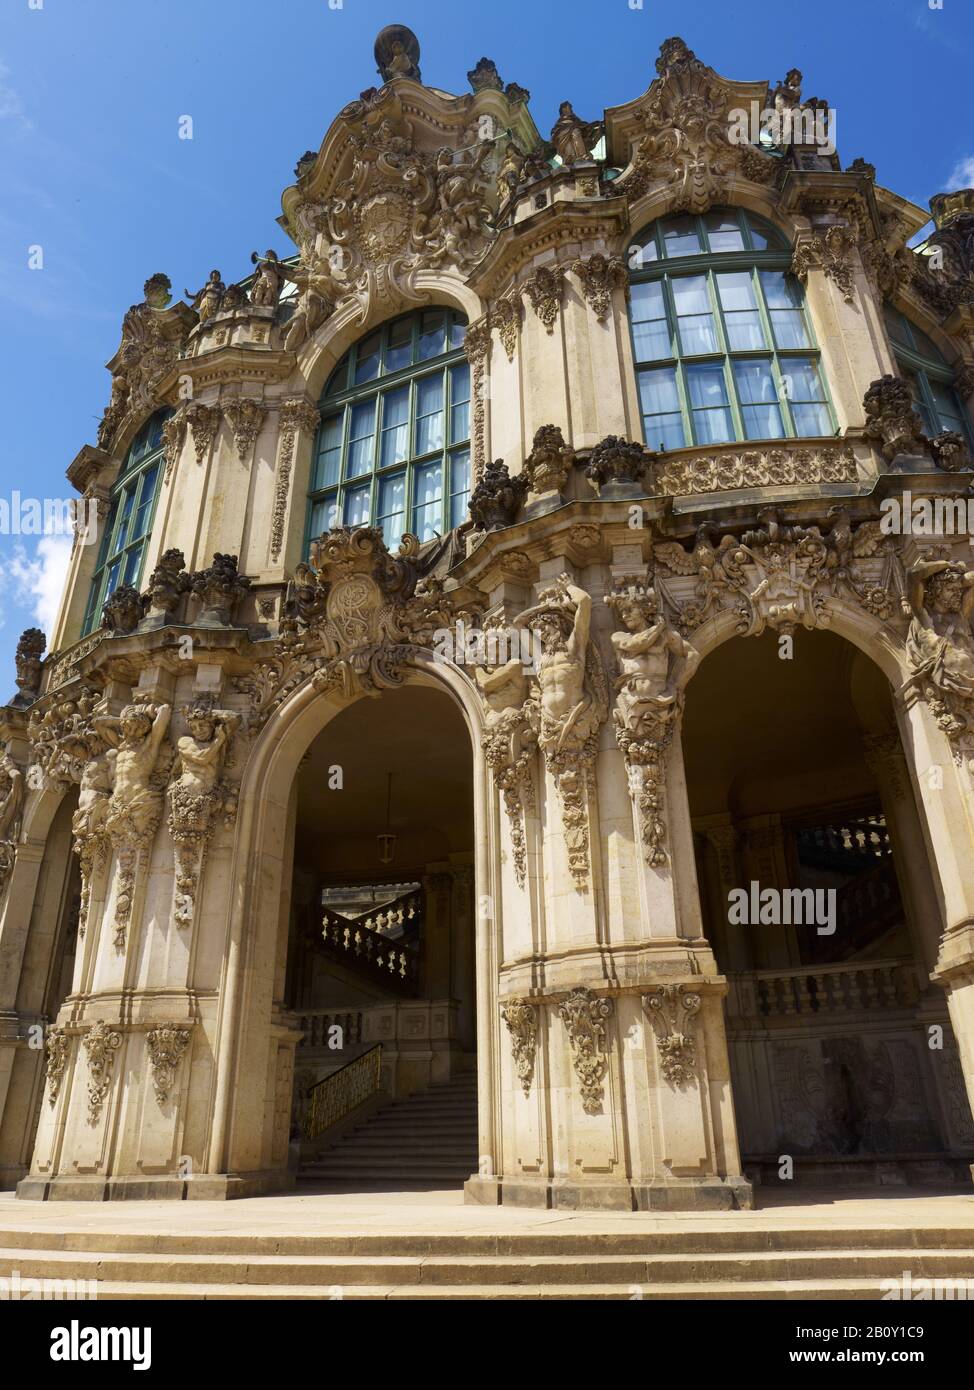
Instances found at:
x=393 y=449
x=930 y=378
x=132 y=504
x=723 y=345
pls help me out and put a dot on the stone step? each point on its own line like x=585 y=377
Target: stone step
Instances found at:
x=635 y=1273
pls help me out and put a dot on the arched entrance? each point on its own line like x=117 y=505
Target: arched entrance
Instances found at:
x=819 y=901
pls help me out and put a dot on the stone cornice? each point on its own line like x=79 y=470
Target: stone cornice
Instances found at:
x=225 y=366
x=91 y=467
x=564 y=227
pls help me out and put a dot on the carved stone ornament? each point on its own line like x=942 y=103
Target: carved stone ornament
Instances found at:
x=616 y=464
x=832 y=250
x=940 y=645
x=135 y=805
x=544 y=288
x=353 y=618
x=654 y=665
x=599 y=276
x=295 y=414
x=173 y=434
x=685 y=148
x=219 y=589
x=583 y=1014
x=165 y=1046
x=522 y=1024
x=11 y=815
x=56 y=737
x=197 y=797
x=497 y=498
x=485 y=77
x=573 y=702
x=549 y=464
x=950 y=451
x=891 y=421
x=27 y=659
x=88 y=824
x=203 y=421
x=123 y=610
x=476 y=346
x=101 y=1042
x=505 y=316
x=56 y=1048
x=728 y=471
x=672 y=1009
x=152 y=335
x=510 y=738
x=246 y=416
x=168 y=582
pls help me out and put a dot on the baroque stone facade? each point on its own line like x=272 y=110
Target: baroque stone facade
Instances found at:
x=159 y=780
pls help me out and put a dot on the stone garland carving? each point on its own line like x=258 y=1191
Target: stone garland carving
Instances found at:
x=56 y=1048
x=11 y=814
x=101 y=1042
x=152 y=335
x=295 y=414
x=672 y=1009
x=173 y=435
x=165 y=1046
x=573 y=699
x=726 y=472
x=685 y=143
x=654 y=663
x=203 y=421
x=510 y=742
x=549 y=464
x=544 y=288
x=136 y=802
x=599 y=276
x=832 y=250
x=497 y=498
x=522 y=1024
x=246 y=416
x=940 y=645
x=197 y=797
x=353 y=618
x=399 y=211
x=476 y=346
x=27 y=660
x=583 y=1014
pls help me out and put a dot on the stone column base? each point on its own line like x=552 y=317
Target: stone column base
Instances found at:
x=707 y=1194
x=204 y=1187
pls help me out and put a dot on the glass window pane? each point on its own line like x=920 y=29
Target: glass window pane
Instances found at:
x=949 y=414
x=329 y=452
x=338 y=381
x=428 y=508
x=651 y=341
x=660 y=403
x=324 y=515
x=736 y=290
x=392 y=508
x=789 y=329
x=648 y=301
x=429 y=414
x=367 y=361
x=357 y=505
x=432 y=334
x=395 y=427
x=712 y=420
x=804 y=382
x=895 y=326
x=680 y=237
x=361 y=439
x=113 y=577
x=811 y=419
x=460 y=403
x=696 y=324
x=145 y=501
x=723 y=232
x=459 y=486
x=780 y=290
x=643 y=252
x=132 y=565
x=758 y=398
x=458 y=332
x=759 y=240
x=399 y=352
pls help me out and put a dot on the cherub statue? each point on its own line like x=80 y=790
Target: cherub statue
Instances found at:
x=318 y=291
x=268 y=280
x=572 y=137
x=510 y=171
x=207 y=300
x=788 y=94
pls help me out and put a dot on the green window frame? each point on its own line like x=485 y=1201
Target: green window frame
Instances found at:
x=132 y=505
x=929 y=376
x=393 y=447
x=722 y=341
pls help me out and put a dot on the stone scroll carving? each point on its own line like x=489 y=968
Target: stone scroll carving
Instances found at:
x=165 y=1046
x=573 y=700
x=246 y=417
x=136 y=802
x=583 y=1014
x=198 y=797
x=56 y=1048
x=654 y=665
x=599 y=276
x=672 y=1009
x=101 y=1042
x=522 y=1024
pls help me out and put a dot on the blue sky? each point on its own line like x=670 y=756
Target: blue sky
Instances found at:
x=93 y=171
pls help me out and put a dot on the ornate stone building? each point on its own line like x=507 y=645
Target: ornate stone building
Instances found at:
x=484 y=593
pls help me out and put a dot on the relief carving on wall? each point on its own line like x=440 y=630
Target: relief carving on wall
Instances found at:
x=583 y=1014
x=56 y=1048
x=197 y=797
x=522 y=1024
x=101 y=1042
x=672 y=1009
x=940 y=645
x=165 y=1045
x=573 y=700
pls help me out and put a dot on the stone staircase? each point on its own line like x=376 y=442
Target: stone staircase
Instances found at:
x=427 y=1140
x=732 y=1261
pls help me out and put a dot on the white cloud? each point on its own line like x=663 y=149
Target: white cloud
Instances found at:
x=962 y=175
x=11 y=102
x=37 y=583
